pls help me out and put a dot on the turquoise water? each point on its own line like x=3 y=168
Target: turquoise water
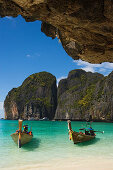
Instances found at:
x=51 y=142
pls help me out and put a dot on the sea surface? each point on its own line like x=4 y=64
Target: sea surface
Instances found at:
x=51 y=143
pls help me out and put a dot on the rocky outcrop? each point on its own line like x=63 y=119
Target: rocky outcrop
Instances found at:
x=79 y=96
x=84 y=27
x=103 y=102
x=35 y=98
x=83 y=94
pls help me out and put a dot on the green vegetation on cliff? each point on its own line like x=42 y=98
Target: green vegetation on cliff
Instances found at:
x=80 y=95
x=37 y=95
x=86 y=100
x=79 y=99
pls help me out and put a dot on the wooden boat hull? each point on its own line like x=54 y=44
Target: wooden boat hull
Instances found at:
x=25 y=138
x=78 y=137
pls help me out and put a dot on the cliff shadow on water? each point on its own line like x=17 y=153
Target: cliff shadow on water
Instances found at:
x=32 y=145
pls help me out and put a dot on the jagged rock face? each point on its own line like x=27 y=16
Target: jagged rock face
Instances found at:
x=80 y=95
x=84 y=27
x=103 y=103
x=35 y=98
x=83 y=94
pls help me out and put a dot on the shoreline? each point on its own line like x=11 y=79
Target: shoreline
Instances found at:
x=51 y=148
x=65 y=120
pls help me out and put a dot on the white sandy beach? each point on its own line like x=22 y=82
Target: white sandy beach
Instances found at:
x=69 y=164
x=52 y=150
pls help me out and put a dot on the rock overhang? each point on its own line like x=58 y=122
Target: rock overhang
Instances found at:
x=85 y=28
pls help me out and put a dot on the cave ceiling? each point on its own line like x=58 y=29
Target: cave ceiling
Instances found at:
x=84 y=27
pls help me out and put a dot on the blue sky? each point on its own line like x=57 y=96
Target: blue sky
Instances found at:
x=25 y=50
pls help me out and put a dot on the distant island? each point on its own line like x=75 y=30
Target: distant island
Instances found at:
x=77 y=97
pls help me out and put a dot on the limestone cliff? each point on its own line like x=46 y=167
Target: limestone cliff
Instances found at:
x=84 y=27
x=83 y=94
x=35 y=98
x=78 y=96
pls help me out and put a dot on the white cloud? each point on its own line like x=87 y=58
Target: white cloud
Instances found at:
x=1 y=115
x=1 y=105
x=88 y=69
x=104 y=68
x=33 y=55
x=60 y=78
x=83 y=63
x=9 y=17
x=107 y=65
x=1 y=109
x=28 y=55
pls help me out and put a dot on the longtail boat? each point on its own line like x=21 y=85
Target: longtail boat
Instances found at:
x=22 y=137
x=79 y=137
